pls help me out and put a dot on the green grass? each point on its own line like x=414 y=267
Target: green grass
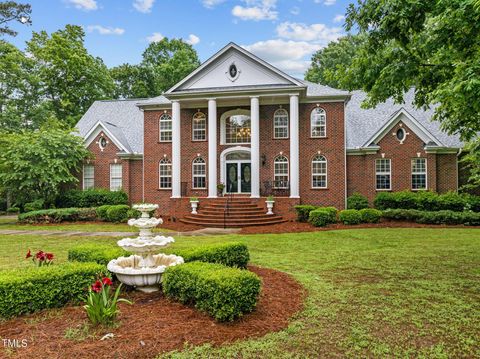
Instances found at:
x=371 y=292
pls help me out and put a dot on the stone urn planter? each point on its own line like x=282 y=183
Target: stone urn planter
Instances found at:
x=270 y=201
x=194 y=203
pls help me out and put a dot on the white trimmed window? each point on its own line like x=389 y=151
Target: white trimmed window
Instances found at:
x=319 y=172
x=199 y=172
x=383 y=174
x=318 y=122
x=280 y=172
x=419 y=173
x=237 y=129
x=165 y=174
x=115 y=177
x=165 y=128
x=280 y=124
x=199 y=127
x=88 y=176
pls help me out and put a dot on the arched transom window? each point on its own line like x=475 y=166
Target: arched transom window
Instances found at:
x=280 y=172
x=319 y=172
x=237 y=129
x=165 y=173
x=199 y=173
x=318 y=122
x=165 y=128
x=199 y=127
x=280 y=124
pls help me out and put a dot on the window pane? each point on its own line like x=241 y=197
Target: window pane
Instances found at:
x=165 y=128
x=237 y=129
x=115 y=177
x=280 y=123
x=419 y=173
x=318 y=121
x=88 y=177
x=199 y=127
x=383 y=175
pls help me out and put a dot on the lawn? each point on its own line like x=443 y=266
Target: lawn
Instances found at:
x=372 y=292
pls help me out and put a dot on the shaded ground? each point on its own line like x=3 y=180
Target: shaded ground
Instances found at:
x=152 y=325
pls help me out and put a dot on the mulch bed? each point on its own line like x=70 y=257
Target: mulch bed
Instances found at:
x=154 y=325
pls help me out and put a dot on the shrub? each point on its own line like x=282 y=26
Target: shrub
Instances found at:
x=28 y=290
x=118 y=213
x=350 y=216
x=98 y=253
x=357 y=201
x=34 y=206
x=303 y=212
x=13 y=210
x=58 y=215
x=322 y=216
x=224 y=293
x=91 y=198
x=228 y=254
x=370 y=215
x=102 y=212
x=434 y=217
x=133 y=213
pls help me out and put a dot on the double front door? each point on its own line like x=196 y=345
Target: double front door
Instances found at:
x=239 y=177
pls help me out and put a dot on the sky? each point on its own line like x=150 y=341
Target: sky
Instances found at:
x=284 y=33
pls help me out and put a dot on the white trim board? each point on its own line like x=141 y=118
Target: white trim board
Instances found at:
x=96 y=130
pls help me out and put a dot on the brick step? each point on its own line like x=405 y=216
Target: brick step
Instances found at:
x=232 y=212
x=265 y=218
x=231 y=215
x=231 y=209
x=232 y=225
x=219 y=202
x=232 y=205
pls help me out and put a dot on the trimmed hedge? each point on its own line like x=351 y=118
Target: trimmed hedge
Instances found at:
x=322 y=216
x=222 y=292
x=434 y=217
x=58 y=215
x=357 y=201
x=303 y=212
x=427 y=201
x=28 y=290
x=34 y=205
x=91 y=198
x=98 y=253
x=230 y=254
x=370 y=215
x=350 y=216
x=118 y=213
x=13 y=210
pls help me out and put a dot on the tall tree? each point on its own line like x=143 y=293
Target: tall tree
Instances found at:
x=169 y=61
x=71 y=78
x=332 y=59
x=133 y=81
x=433 y=46
x=13 y=11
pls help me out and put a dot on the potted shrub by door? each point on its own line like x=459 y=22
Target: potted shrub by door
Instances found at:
x=194 y=204
x=270 y=201
x=220 y=188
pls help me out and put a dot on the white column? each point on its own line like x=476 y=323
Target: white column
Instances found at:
x=255 y=146
x=294 y=149
x=212 y=148
x=176 y=151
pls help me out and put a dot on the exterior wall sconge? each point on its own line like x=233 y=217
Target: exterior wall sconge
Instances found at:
x=264 y=160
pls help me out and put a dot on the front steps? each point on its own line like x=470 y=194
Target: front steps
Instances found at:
x=242 y=212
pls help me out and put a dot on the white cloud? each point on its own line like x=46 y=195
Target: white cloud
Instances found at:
x=192 y=39
x=102 y=30
x=210 y=4
x=326 y=2
x=84 y=4
x=155 y=37
x=144 y=6
x=319 y=33
x=256 y=10
x=339 y=18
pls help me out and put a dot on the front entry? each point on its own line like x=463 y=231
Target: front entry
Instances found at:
x=239 y=176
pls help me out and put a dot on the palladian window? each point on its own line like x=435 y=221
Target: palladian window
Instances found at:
x=199 y=127
x=319 y=172
x=165 y=174
x=280 y=124
x=318 y=122
x=237 y=129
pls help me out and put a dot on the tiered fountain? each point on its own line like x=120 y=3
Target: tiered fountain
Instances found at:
x=144 y=268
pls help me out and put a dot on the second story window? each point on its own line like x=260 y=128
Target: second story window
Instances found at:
x=165 y=128
x=199 y=127
x=280 y=124
x=318 y=123
x=237 y=129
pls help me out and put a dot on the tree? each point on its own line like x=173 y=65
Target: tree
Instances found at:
x=13 y=11
x=327 y=62
x=71 y=78
x=170 y=61
x=34 y=164
x=133 y=81
x=433 y=46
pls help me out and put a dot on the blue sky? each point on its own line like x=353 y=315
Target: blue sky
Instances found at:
x=282 y=32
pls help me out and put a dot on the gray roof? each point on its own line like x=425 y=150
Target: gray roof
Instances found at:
x=121 y=117
x=314 y=90
x=363 y=124
x=159 y=100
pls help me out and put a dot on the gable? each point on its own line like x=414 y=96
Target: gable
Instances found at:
x=234 y=67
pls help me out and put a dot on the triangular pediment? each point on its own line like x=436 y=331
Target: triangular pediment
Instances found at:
x=234 y=67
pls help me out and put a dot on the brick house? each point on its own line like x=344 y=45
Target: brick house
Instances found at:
x=240 y=122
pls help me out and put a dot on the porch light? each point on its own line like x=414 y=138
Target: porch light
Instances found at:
x=264 y=160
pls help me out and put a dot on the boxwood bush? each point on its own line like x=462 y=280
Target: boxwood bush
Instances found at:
x=434 y=217
x=32 y=289
x=322 y=216
x=224 y=293
x=34 y=205
x=118 y=213
x=357 y=201
x=58 y=215
x=370 y=215
x=303 y=211
x=98 y=253
x=350 y=216
x=91 y=198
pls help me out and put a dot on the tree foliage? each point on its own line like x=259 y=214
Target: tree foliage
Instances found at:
x=133 y=81
x=34 y=164
x=13 y=11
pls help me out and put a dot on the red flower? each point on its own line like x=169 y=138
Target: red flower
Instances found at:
x=49 y=256
x=29 y=254
x=107 y=281
x=97 y=286
x=40 y=255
